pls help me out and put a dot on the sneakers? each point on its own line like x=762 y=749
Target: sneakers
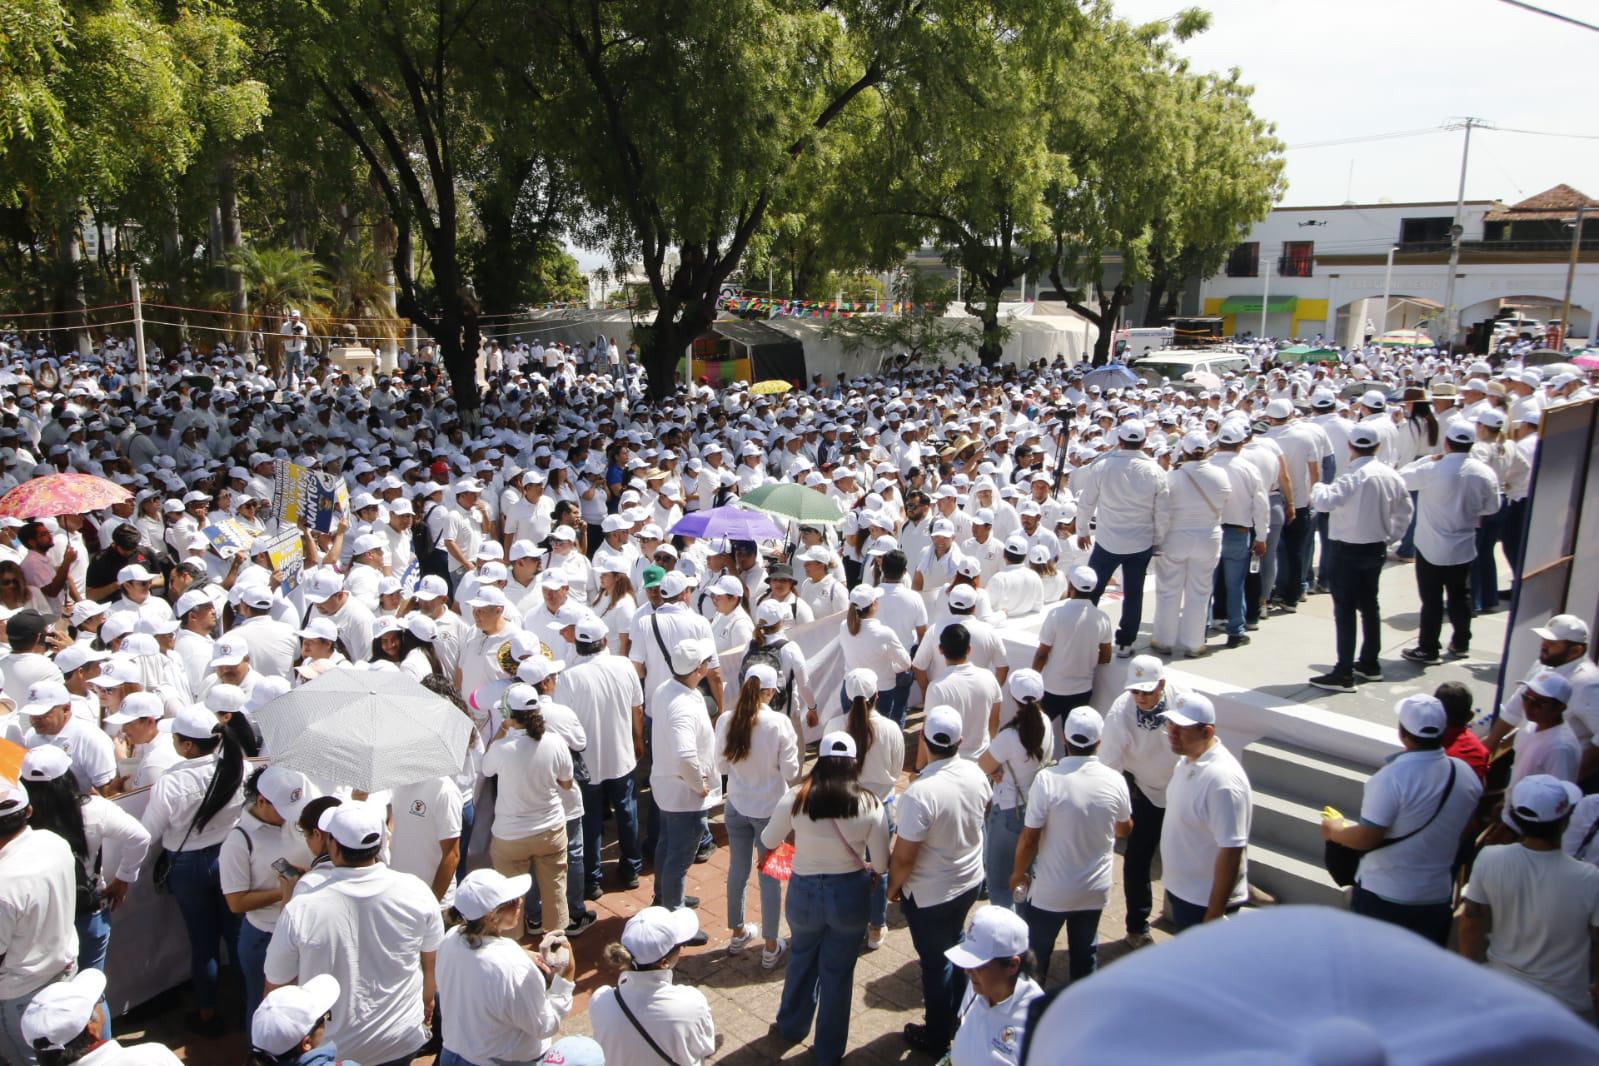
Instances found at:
x=1124 y=651
x=874 y=938
x=1368 y=672
x=742 y=938
x=1134 y=941
x=581 y=924
x=1277 y=607
x=1199 y=652
x=1459 y=651
x=705 y=853
x=630 y=882
x=1417 y=655
x=770 y=959
x=1334 y=682
x=593 y=892
x=1251 y=626
x=1239 y=641
x=1159 y=649
x=917 y=1036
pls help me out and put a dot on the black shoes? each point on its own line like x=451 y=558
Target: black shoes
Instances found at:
x=704 y=854
x=1368 y=672
x=581 y=923
x=700 y=940
x=1239 y=641
x=1334 y=682
x=1418 y=655
x=593 y=892
x=917 y=1036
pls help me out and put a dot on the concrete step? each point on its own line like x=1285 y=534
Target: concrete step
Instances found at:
x=1306 y=777
x=1287 y=826
x=1291 y=879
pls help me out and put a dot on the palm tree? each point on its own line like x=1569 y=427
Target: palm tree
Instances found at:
x=278 y=279
x=363 y=286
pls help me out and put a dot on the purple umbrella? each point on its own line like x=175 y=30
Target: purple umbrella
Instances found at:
x=734 y=523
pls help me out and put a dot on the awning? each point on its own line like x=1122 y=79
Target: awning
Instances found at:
x=1246 y=305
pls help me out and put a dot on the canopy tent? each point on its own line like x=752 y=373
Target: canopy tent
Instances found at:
x=771 y=354
x=1250 y=305
x=1304 y=353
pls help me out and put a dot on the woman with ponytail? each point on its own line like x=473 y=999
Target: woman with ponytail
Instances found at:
x=880 y=749
x=192 y=808
x=758 y=752
x=868 y=644
x=1018 y=751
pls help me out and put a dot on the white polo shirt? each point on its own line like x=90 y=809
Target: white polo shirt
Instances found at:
x=368 y=926
x=973 y=692
x=495 y=997
x=876 y=648
x=94 y=757
x=988 y=650
x=1208 y=808
x=1545 y=905
x=683 y=775
x=1017 y=767
x=38 y=904
x=1545 y=751
x=426 y=816
x=245 y=862
x=1074 y=631
x=990 y=1034
x=530 y=772
x=1143 y=752
x=602 y=691
x=273 y=646
x=1077 y=803
x=1400 y=798
x=677 y=1017
x=175 y=798
x=943 y=811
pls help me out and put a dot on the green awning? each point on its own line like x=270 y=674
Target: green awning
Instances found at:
x=1250 y=305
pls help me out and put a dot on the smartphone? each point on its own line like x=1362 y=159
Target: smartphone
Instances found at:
x=287 y=869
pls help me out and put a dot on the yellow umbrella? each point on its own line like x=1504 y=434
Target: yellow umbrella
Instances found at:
x=773 y=386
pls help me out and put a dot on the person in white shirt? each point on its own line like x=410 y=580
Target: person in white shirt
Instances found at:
x=1546 y=743
x=1134 y=743
x=504 y=1003
x=1014 y=590
x=49 y=712
x=758 y=753
x=821 y=591
x=191 y=810
x=272 y=644
x=1454 y=493
x=1002 y=988
x=840 y=844
x=66 y=1022
x=534 y=767
x=662 y=1020
x=1073 y=642
x=425 y=837
x=867 y=644
x=970 y=689
x=1208 y=809
x=1188 y=538
x=905 y=613
x=150 y=752
x=375 y=929
x=1118 y=498
x=1531 y=911
x=1245 y=525
x=1369 y=508
x=683 y=778
x=937 y=867
x=38 y=941
x=1411 y=818
x=1012 y=760
x=26 y=661
x=1563 y=648
x=251 y=888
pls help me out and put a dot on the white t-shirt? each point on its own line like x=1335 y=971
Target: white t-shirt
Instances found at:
x=38 y=901
x=757 y=781
x=530 y=772
x=973 y=692
x=94 y=757
x=1074 y=631
x=426 y=816
x=1545 y=751
x=1208 y=808
x=1400 y=798
x=1139 y=750
x=497 y=1002
x=1544 y=905
x=1018 y=768
x=602 y=691
x=943 y=810
x=368 y=926
x=1077 y=803
x=246 y=859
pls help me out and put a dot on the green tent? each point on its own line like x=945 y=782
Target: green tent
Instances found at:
x=1304 y=353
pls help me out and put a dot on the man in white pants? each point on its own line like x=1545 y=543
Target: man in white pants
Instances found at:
x=1188 y=545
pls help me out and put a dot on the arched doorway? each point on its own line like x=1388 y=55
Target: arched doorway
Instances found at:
x=1363 y=316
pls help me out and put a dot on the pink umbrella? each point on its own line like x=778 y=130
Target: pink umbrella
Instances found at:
x=59 y=494
x=1587 y=362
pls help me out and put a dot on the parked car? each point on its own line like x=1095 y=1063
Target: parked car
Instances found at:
x=1173 y=365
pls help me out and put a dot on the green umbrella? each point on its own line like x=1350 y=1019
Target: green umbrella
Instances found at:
x=793 y=501
x=1304 y=353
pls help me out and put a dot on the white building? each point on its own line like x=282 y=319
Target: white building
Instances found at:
x=1324 y=270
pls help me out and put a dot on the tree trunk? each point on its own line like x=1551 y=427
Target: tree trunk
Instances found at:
x=73 y=303
x=232 y=241
x=1109 y=312
x=1157 y=294
x=667 y=342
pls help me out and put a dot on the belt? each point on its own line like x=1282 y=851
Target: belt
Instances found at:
x=1229 y=525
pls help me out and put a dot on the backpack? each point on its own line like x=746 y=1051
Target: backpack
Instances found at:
x=769 y=654
x=425 y=546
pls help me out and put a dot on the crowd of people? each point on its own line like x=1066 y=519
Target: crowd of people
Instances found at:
x=518 y=558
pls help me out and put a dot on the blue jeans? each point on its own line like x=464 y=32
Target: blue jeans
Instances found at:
x=94 y=942
x=1231 y=574
x=891 y=702
x=827 y=919
x=197 y=890
x=1134 y=567
x=1257 y=585
x=1431 y=920
x=468 y=819
x=1082 y=939
x=1485 y=570
x=674 y=854
x=575 y=904
x=744 y=849
x=934 y=930
x=877 y=905
x=1003 y=830
x=1407 y=544
x=251 y=957
x=617 y=796
x=1185 y=915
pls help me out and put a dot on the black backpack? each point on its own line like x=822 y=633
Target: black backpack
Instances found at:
x=769 y=655
x=426 y=548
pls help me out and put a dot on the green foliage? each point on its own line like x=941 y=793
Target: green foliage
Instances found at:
x=920 y=331
x=279 y=279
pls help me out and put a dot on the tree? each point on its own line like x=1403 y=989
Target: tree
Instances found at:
x=917 y=330
x=280 y=280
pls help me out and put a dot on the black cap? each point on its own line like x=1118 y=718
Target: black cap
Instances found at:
x=780 y=572
x=24 y=627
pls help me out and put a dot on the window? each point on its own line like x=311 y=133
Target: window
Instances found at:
x=1425 y=230
x=1244 y=262
x=1297 y=259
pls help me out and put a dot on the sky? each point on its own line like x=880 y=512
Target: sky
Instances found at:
x=1326 y=70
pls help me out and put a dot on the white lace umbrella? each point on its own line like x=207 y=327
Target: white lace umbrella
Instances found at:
x=365 y=729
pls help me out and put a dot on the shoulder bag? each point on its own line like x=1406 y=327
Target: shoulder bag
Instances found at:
x=704 y=687
x=639 y=1026
x=1343 y=861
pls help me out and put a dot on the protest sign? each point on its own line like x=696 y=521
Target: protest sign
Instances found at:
x=303 y=497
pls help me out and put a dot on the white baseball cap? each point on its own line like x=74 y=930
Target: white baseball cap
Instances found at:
x=76 y=656
x=357 y=825
x=767 y=677
x=1567 y=627
x=536 y=669
x=1026 y=684
x=484 y=891
x=368 y=542
x=137 y=705
x=13 y=797
x=1083 y=726
x=1422 y=716
x=942 y=726
x=1543 y=798
x=431 y=587
x=287 y=790
x=195 y=723
x=674 y=584
x=251 y=594
x=1145 y=673
x=133 y=572
x=44 y=695
x=321 y=584
x=993 y=933
x=489 y=596
x=288 y=1015
x=117 y=670
x=229 y=650
x=190 y=600
x=320 y=629
x=943 y=528
x=1551 y=685
x=60 y=1012
x=837 y=743
x=1460 y=431
x=963 y=597
x=1362 y=435
x=591 y=630
x=1191 y=709
x=863 y=596
x=651 y=934
x=45 y=763
x=1083 y=578
x=1132 y=431
x=689 y=653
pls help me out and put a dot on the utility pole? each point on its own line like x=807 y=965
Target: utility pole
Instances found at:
x=1265 y=296
x=1571 y=274
x=1455 y=233
x=138 y=332
x=1387 y=286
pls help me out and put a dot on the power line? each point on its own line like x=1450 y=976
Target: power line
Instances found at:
x=1396 y=135
x=1543 y=133
x=1551 y=14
